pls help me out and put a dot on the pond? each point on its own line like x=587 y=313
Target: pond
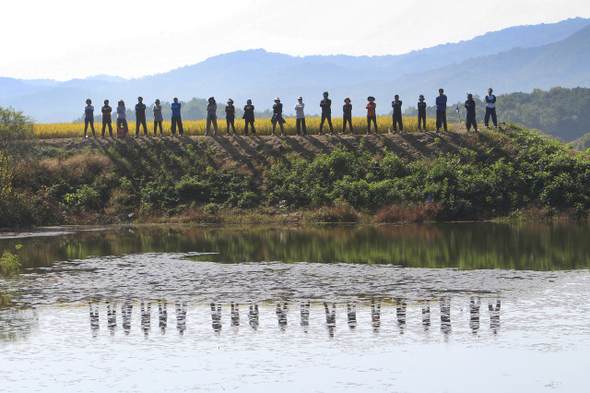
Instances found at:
x=438 y=307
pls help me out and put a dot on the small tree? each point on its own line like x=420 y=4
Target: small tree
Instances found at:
x=15 y=125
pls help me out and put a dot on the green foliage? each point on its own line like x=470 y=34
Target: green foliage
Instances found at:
x=15 y=125
x=10 y=264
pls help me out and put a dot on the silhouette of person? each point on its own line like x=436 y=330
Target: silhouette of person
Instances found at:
x=146 y=316
x=400 y=306
x=140 y=117
x=490 y=109
x=376 y=314
x=445 y=315
x=112 y=316
x=249 y=117
x=211 y=116
x=426 y=315
x=126 y=310
x=351 y=313
x=180 y=317
x=216 y=317
x=441 y=110
x=94 y=319
x=282 y=314
x=253 y=316
x=162 y=315
x=330 y=318
x=494 y=316
x=277 y=117
x=474 y=305
x=396 y=104
x=326 y=105
x=305 y=315
x=235 y=314
x=347 y=116
x=371 y=116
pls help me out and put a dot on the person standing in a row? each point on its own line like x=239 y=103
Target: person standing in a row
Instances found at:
x=140 y=116
x=441 y=110
x=396 y=104
x=158 y=118
x=176 y=119
x=421 y=113
x=277 y=116
x=490 y=109
x=371 y=114
x=249 y=117
x=211 y=116
x=470 y=120
x=326 y=105
x=88 y=117
x=106 y=118
x=230 y=115
x=122 y=117
x=347 y=115
x=300 y=116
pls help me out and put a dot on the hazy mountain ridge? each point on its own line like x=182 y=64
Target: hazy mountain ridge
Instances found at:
x=515 y=59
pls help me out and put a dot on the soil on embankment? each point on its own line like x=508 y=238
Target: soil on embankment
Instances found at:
x=408 y=146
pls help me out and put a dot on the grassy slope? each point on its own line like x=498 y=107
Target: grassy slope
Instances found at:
x=377 y=178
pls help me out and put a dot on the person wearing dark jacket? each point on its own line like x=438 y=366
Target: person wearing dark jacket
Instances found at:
x=347 y=115
x=249 y=117
x=421 y=113
x=277 y=116
x=176 y=118
x=396 y=104
x=107 y=119
x=490 y=109
x=441 y=110
x=470 y=106
x=140 y=116
x=326 y=105
x=230 y=115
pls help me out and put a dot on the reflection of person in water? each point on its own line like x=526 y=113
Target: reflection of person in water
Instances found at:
x=253 y=316
x=330 y=318
x=235 y=314
x=305 y=315
x=112 y=316
x=494 y=316
x=426 y=315
x=445 y=315
x=146 y=316
x=351 y=311
x=126 y=310
x=181 y=317
x=216 y=317
x=282 y=314
x=376 y=314
x=474 y=304
x=400 y=306
x=162 y=315
x=94 y=323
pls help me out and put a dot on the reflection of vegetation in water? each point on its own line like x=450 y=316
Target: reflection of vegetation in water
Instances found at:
x=17 y=324
x=10 y=264
x=555 y=246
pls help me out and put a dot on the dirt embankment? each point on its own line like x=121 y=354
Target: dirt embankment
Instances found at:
x=409 y=147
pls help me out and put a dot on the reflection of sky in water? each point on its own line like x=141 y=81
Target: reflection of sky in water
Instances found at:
x=542 y=341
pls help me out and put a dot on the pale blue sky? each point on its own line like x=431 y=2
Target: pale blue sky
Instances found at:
x=72 y=39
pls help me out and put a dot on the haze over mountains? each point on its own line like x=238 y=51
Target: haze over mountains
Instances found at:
x=515 y=59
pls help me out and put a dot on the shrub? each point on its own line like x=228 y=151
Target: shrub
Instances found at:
x=14 y=125
x=10 y=264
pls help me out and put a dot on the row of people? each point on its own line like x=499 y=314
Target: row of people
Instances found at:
x=277 y=118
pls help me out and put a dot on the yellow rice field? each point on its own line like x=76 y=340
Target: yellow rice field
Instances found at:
x=263 y=127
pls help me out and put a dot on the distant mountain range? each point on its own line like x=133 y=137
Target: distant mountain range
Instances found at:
x=515 y=59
